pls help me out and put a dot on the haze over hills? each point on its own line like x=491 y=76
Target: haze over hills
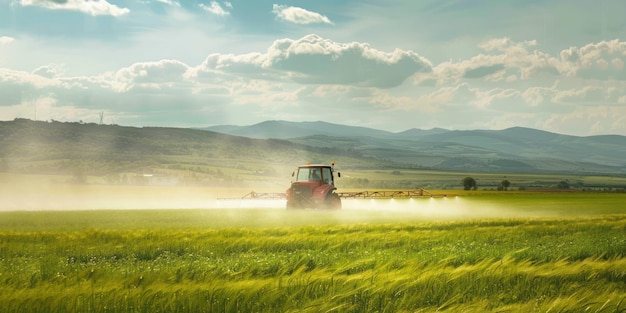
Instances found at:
x=515 y=149
x=194 y=156
x=35 y=146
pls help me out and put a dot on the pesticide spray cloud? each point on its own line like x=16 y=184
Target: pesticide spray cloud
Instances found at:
x=424 y=207
x=64 y=197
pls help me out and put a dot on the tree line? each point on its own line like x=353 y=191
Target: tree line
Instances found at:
x=469 y=183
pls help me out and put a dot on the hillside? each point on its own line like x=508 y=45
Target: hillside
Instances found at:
x=186 y=155
x=514 y=149
x=287 y=130
x=118 y=154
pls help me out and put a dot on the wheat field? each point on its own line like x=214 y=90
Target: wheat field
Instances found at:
x=353 y=260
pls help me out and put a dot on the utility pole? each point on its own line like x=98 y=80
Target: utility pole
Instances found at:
x=101 y=117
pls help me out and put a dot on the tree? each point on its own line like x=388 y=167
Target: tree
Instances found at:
x=563 y=185
x=505 y=184
x=469 y=183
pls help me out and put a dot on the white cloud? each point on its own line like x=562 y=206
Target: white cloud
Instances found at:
x=298 y=15
x=91 y=7
x=164 y=74
x=264 y=83
x=602 y=60
x=298 y=77
x=384 y=99
x=511 y=78
x=589 y=121
x=169 y=2
x=505 y=44
x=215 y=8
x=497 y=98
x=15 y=86
x=591 y=96
x=448 y=97
x=315 y=60
x=505 y=60
x=535 y=96
x=8 y=76
x=48 y=71
x=5 y=40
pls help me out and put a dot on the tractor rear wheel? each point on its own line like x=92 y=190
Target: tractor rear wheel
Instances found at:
x=332 y=201
x=291 y=204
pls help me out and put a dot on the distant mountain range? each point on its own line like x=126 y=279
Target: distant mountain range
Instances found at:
x=289 y=130
x=514 y=149
x=52 y=147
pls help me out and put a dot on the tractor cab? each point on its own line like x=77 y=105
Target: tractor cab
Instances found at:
x=313 y=187
x=315 y=174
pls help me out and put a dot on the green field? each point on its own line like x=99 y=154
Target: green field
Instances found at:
x=519 y=252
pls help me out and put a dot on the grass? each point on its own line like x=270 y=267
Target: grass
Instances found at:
x=534 y=252
x=433 y=179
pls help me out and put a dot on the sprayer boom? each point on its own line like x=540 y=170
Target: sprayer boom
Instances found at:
x=387 y=194
x=259 y=196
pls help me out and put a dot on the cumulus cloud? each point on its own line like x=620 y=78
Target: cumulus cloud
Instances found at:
x=15 y=85
x=169 y=2
x=516 y=79
x=591 y=96
x=443 y=98
x=602 y=60
x=503 y=60
x=257 y=82
x=298 y=15
x=535 y=96
x=91 y=7
x=483 y=71
x=315 y=60
x=500 y=99
x=505 y=83
x=5 y=40
x=48 y=71
x=506 y=44
x=164 y=74
x=216 y=9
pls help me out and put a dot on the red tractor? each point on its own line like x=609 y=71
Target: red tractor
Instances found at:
x=313 y=187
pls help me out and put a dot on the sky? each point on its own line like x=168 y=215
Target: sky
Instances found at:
x=393 y=65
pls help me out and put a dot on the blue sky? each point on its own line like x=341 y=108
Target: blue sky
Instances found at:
x=393 y=65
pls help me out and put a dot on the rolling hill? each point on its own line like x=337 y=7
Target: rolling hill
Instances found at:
x=113 y=151
x=287 y=130
x=514 y=149
x=108 y=150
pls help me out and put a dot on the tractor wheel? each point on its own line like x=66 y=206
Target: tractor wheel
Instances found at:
x=292 y=205
x=332 y=201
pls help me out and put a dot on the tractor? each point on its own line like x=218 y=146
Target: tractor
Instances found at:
x=313 y=186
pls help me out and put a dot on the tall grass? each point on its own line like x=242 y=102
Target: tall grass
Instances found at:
x=515 y=264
